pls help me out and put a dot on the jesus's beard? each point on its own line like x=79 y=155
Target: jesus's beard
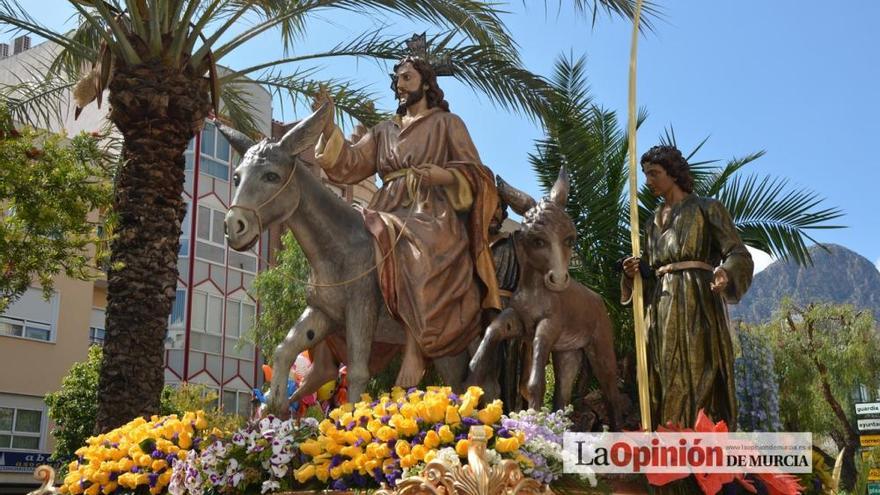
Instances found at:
x=412 y=98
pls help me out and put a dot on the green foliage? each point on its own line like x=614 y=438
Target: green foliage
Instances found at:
x=74 y=407
x=838 y=337
x=281 y=292
x=193 y=397
x=48 y=188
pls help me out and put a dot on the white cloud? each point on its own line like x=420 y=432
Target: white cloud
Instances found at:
x=877 y=264
x=762 y=260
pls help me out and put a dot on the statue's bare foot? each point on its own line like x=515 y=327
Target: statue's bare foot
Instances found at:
x=413 y=366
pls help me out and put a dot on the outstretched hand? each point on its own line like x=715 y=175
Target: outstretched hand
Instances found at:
x=323 y=96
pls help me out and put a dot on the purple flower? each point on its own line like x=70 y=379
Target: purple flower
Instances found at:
x=350 y=426
x=385 y=419
x=114 y=475
x=335 y=461
x=135 y=469
x=157 y=454
x=153 y=477
x=469 y=421
x=339 y=485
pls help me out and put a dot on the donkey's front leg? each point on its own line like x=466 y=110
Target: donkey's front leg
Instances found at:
x=542 y=343
x=312 y=327
x=360 y=327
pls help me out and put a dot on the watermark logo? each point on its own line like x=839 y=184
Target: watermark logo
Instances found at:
x=668 y=452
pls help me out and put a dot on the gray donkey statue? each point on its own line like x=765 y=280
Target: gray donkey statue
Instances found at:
x=274 y=187
x=555 y=314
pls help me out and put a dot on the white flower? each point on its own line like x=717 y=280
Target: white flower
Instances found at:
x=270 y=485
x=279 y=471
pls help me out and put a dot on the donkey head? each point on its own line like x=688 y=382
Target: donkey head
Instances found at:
x=547 y=234
x=266 y=191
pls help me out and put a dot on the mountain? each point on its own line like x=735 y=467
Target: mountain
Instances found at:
x=837 y=275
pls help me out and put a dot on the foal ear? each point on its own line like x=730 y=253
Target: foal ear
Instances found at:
x=306 y=132
x=559 y=193
x=238 y=140
x=519 y=201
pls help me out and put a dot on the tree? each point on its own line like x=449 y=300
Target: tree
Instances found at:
x=48 y=188
x=281 y=293
x=158 y=60
x=73 y=408
x=822 y=352
x=589 y=141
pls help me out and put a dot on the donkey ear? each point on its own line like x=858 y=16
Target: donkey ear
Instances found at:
x=238 y=140
x=306 y=132
x=519 y=201
x=559 y=193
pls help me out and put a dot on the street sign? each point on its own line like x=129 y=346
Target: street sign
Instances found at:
x=22 y=462
x=873 y=488
x=872 y=424
x=874 y=474
x=867 y=408
x=869 y=440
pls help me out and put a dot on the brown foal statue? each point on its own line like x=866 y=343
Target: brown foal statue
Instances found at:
x=556 y=315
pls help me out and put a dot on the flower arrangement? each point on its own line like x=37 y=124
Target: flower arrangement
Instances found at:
x=258 y=457
x=137 y=455
x=375 y=442
x=541 y=455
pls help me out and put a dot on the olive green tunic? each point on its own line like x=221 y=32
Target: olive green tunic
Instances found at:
x=690 y=349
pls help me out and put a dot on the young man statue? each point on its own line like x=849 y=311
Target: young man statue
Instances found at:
x=694 y=262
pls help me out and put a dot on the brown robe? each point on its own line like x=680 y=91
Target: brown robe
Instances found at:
x=690 y=346
x=436 y=272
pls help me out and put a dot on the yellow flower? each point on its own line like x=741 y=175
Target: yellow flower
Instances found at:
x=503 y=445
x=165 y=478
x=467 y=406
x=401 y=448
x=452 y=416
x=432 y=439
x=322 y=472
x=491 y=414
x=201 y=423
x=408 y=427
x=409 y=411
x=95 y=489
x=305 y=473
x=446 y=435
x=419 y=451
x=336 y=472
x=386 y=433
x=351 y=451
x=407 y=461
x=435 y=411
x=142 y=479
x=158 y=465
x=144 y=460
x=128 y=480
x=109 y=488
x=373 y=425
x=461 y=448
x=184 y=440
x=311 y=448
x=75 y=489
x=430 y=456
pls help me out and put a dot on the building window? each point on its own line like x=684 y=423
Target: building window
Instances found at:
x=184 y=231
x=20 y=428
x=31 y=317
x=214 y=153
x=239 y=318
x=211 y=245
x=237 y=402
x=207 y=313
x=96 y=336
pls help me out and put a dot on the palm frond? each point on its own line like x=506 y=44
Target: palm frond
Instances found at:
x=15 y=15
x=711 y=184
x=773 y=219
x=38 y=100
x=238 y=106
x=621 y=8
x=351 y=100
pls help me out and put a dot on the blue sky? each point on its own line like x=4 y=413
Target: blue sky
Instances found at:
x=799 y=79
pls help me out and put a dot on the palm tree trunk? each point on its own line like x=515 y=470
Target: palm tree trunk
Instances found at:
x=157 y=110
